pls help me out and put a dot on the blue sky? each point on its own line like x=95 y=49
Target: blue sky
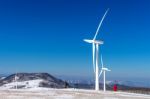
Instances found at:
x=47 y=36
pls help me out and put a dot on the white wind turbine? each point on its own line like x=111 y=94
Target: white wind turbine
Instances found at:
x=103 y=70
x=15 y=80
x=95 y=52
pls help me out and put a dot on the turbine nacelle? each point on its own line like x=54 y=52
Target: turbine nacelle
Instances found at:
x=94 y=41
x=102 y=70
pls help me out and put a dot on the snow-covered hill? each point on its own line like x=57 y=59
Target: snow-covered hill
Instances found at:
x=31 y=80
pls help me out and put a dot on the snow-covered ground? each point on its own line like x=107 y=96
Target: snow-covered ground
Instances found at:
x=31 y=90
x=46 y=93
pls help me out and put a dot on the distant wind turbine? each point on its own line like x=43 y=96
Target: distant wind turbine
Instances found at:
x=15 y=79
x=95 y=52
x=103 y=70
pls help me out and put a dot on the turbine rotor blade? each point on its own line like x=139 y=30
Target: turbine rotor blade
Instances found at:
x=93 y=52
x=105 y=69
x=88 y=41
x=102 y=61
x=100 y=73
x=100 y=24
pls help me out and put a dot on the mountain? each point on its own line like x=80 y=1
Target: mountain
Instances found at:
x=30 y=80
x=145 y=84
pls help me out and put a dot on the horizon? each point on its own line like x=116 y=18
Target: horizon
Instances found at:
x=89 y=80
x=47 y=36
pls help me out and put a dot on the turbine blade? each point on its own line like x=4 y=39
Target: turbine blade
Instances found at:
x=100 y=73
x=88 y=41
x=106 y=69
x=100 y=24
x=93 y=52
x=102 y=61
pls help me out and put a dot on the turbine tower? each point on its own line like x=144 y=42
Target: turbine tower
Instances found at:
x=103 y=70
x=95 y=50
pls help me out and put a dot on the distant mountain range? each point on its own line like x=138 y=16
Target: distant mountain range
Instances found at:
x=109 y=86
x=130 y=83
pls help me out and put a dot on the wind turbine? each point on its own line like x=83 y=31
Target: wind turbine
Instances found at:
x=15 y=80
x=95 y=52
x=103 y=70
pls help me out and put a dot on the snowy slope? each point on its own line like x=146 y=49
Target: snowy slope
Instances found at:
x=23 y=84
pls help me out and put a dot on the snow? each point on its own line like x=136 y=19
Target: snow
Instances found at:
x=31 y=90
x=26 y=84
x=2 y=78
x=50 y=93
